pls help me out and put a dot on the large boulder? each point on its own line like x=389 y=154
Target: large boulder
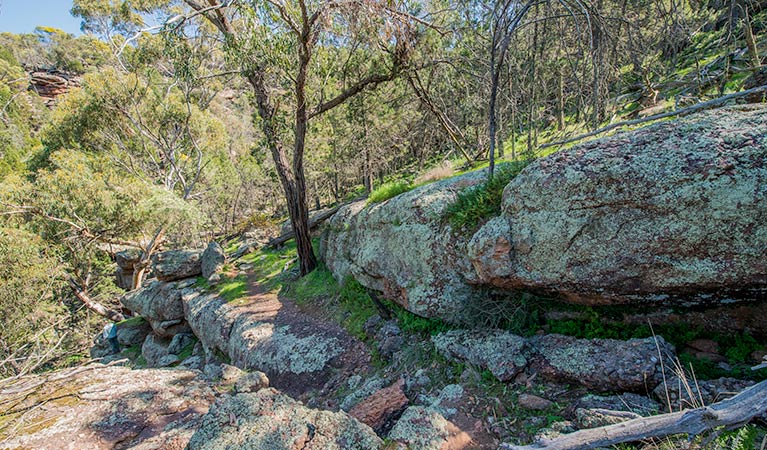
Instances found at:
x=126 y=261
x=672 y=213
x=212 y=260
x=160 y=304
x=402 y=248
x=177 y=264
x=269 y=420
x=99 y=407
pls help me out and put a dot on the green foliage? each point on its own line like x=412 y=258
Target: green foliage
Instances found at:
x=357 y=307
x=416 y=324
x=186 y=352
x=231 y=289
x=318 y=283
x=389 y=190
x=476 y=204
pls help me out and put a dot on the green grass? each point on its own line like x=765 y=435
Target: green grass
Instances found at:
x=186 y=352
x=478 y=203
x=389 y=190
x=319 y=283
x=133 y=321
x=233 y=288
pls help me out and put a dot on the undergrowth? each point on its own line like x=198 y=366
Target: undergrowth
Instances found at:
x=476 y=204
x=389 y=190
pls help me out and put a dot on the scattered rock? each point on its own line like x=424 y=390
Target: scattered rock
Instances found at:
x=424 y=428
x=499 y=351
x=213 y=371
x=357 y=395
x=179 y=342
x=529 y=401
x=132 y=331
x=212 y=260
x=639 y=404
x=230 y=373
x=167 y=361
x=193 y=362
x=154 y=349
x=160 y=304
x=602 y=364
x=251 y=382
x=689 y=393
x=382 y=408
x=389 y=339
x=704 y=345
x=595 y=417
x=269 y=420
x=177 y=264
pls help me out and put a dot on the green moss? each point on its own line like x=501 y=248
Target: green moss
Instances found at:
x=389 y=190
x=186 y=352
x=476 y=204
x=319 y=283
x=133 y=321
x=356 y=307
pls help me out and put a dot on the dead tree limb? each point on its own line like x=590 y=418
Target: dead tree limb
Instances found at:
x=729 y=413
x=93 y=305
x=314 y=222
x=679 y=112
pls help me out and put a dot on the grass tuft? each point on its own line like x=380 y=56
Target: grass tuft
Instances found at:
x=478 y=203
x=389 y=190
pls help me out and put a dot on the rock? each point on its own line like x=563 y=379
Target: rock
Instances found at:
x=599 y=364
x=98 y=408
x=230 y=373
x=132 y=331
x=595 y=417
x=179 y=342
x=635 y=403
x=424 y=428
x=193 y=362
x=380 y=409
x=668 y=214
x=251 y=382
x=177 y=264
x=755 y=80
x=425 y=265
x=160 y=304
x=154 y=349
x=125 y=261
x=602 y=364
x=688 y=393
x=500 y=352
x=389 y=339
x=268 y=420
x=213 y=371
x=50 y=84
x=212 y=260
x=529 y=401
x=167 y=361
x=704 y=345
x=371 y=386
x=448 y=401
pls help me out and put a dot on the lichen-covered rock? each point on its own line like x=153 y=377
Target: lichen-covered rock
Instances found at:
x=212 y=260
x=99 y=408
x=177 y=264
x=602 y=364
x=251 y=382
x=424 y=428
x=501 y=352
x=268 y=420
x=529 y=401
x=179 y=342
x=402 y=248
x=160 y=304
x=673 y=213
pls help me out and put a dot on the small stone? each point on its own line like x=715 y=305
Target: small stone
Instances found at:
x=193 y=362
x=251 y=382
x=382 y=407
x=215 y=278
x=231 y=374
x=529 y=401
x=704 y=345
x=213 y=371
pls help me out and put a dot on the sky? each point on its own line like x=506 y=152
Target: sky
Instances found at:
x=22 y=16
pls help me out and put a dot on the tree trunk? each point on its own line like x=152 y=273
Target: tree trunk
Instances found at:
x=753 y=51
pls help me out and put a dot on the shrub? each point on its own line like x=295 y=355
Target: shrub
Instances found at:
x=389 y=190
x=478 y=203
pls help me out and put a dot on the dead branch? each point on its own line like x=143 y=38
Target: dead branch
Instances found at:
x=679 y=112
x=729 y=413
x=313 y=223
x=93 y=305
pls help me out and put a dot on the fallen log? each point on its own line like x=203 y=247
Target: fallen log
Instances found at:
x=730 y=413
x=313 y=223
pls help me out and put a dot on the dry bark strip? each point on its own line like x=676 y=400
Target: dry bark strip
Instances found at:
x=729 y=413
